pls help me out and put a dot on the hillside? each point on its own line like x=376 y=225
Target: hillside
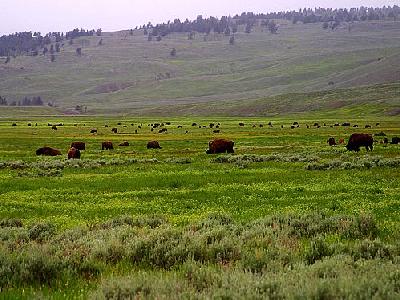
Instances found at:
x=127 y=74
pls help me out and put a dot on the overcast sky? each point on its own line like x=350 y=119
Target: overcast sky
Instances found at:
x=113 y=15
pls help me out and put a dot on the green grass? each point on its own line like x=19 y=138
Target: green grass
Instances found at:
x=345 y=205
x=208 y=75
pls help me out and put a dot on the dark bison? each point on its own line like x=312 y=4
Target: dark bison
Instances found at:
x=47 y=151
x=124 y=144
x=217 y=131
x=241 y=124
x=331 y=141
x=395 y=141
x=163 y=130
x=346 y=124
x=93 y=131
x=358 y=140
x=368 y=126
x=220 y=146
x=74 y=153
x=107 y=146
x=78 y=145
x=114 y=130
x=153 y=145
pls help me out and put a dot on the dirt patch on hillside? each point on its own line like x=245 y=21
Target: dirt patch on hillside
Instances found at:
x=110 y=87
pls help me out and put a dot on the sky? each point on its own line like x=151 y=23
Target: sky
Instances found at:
x=114 y=15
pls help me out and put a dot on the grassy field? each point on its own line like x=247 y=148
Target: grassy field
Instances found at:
x=208 y=73
x=286 y=216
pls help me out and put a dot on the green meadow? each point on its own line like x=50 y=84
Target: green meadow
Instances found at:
x=285 y=206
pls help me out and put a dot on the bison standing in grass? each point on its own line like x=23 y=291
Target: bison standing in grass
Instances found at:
x=124 y=144
x=74 y=153
x=47 y=151
x=358 y=140
x=331 y=141
x=220 y=146
x=79 y=145
x=107 y=146
x=153 y=145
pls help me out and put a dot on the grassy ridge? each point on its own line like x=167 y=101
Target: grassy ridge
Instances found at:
x=120 y=76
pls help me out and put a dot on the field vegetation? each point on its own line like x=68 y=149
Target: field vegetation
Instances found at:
x=286 y=216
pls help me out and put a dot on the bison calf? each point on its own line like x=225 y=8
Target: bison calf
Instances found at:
x=74 y=153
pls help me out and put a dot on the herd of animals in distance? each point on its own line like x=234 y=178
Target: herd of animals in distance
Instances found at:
x=218 y=145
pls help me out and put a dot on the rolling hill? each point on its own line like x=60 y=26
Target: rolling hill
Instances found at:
x=303 y=68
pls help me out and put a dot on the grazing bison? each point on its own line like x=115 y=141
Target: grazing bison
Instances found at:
x=241 y=124
x=47 y=151
x=180 y=126
x=331 y=141
x=14 y=124
x=114 y=130
x=346 y=124
x=78 y=145
x=153 y=145
x=107 y=146
x=29 y=124
x=358 y=140
x=217 y=131
x=162 y=130
x=368 y=126
x=124 y=144
x=194 y=124
x=395 y=141
x=74 y=153
x=220 y=146
x=93 y=131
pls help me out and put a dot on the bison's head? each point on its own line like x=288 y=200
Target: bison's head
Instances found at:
x=208 y=151
x=39 y=151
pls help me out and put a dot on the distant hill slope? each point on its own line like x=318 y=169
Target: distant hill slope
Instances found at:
x=128 y=74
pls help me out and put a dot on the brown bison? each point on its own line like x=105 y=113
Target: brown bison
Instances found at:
x=114 y=130
x=358 y=140
x=341 y=141
x=74 y=153
x=153 y=145
x=220 y=146
x=47 y=151
x=124 y=144
x=78 y=145
x=331 y=141
x=107 y=146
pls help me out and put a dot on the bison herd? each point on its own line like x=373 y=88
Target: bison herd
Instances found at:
x=219 y=145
